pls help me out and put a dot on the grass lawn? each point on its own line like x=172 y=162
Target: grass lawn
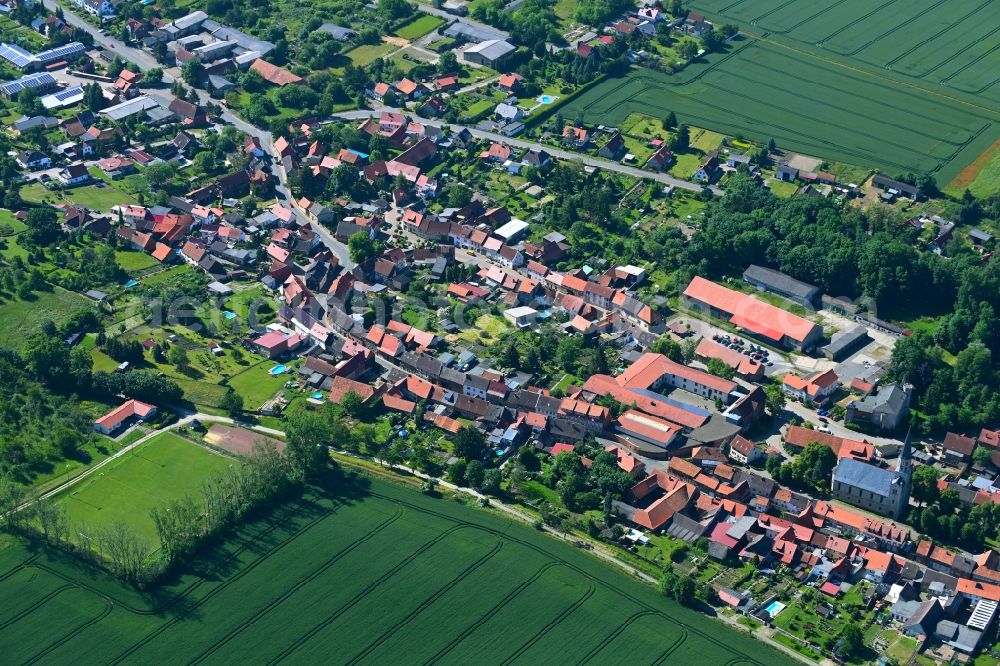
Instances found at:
x=257 y=385
x=487 y=327
x=685 y=164
x=168 y=274
x=368 y=53
x=90 y=196
x=19 y=319
x=131 y=261
x=164 y=468
x=479 y=108
x=780 y=188
x=566 y=381
x=405 y=578
x=419 y=27
x=9 y=225
x=705 y=140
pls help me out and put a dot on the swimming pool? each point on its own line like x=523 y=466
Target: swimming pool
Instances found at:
x=131 y=283
x=546 y=99
x=229 y=315
x=317 y=396
x=774 y=608
x=279 y=369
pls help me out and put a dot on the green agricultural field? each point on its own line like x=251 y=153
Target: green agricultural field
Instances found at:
x=419 y=27
x=366 y=572
x=944 y=58
x=125 y=490
x=762 y=91
x=19 y=319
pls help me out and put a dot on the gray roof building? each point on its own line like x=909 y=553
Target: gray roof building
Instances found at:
x=874 y=488
x=768 y=279
x=885 y=409
x=473 y=33
x=337 y=32
x=845 y=343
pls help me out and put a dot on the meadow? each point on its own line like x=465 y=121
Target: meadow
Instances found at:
x=20 y=318
x=362 y=572
x=125 y=490
x=761 y=91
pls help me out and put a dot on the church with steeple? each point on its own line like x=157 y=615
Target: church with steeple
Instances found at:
x=883 y=491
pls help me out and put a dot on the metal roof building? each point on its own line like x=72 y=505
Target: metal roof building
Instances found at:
x=22 y=59
x=42 y=81
x=473 y=33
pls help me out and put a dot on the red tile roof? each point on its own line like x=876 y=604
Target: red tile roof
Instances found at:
x=125 y=411
x=748 y=312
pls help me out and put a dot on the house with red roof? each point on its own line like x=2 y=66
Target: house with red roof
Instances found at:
x=128 y=412
x=814 y=388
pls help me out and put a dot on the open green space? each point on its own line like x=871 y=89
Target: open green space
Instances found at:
x=370 y=572
x=806 y=103
x=419 y=27
x=257 y=385
x=125 y=490
x=367 y=53
x=89 y=196
x=132 y=261
x=21 y=318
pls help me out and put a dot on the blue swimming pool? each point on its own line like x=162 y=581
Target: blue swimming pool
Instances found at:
x=229 y=315
x=279 y=369
x=774 y=608
x=546 y=99
x=131 y=283
x=317 y=396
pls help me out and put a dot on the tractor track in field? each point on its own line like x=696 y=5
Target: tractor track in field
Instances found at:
x=371 y=647
x=219 y=643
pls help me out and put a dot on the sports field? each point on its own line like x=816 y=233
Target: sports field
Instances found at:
x=365 y=573
x=164 y=468
x=890 y=85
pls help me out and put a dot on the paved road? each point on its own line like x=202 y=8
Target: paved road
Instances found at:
x=595 y=162
x=162 y=95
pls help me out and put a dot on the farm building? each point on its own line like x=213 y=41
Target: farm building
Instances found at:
x=128 y=412
x=753 y=316
x=776 y=282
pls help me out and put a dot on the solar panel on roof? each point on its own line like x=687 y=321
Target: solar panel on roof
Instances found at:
x=15 y=55
x=42 y=79
x=63 y=95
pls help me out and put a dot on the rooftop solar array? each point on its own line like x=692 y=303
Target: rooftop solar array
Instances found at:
x=40 y=80
x=15 y=55
x=21 y=59
x=60 y=52
x=63 y=97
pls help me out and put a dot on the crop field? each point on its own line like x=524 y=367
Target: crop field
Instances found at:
x=946 y=56
x=365 y=572
x=817 y=106
x=125 y=490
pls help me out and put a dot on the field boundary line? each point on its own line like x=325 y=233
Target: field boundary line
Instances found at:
x=245 y=544
x=428 y=602
x=219 y=588
x=298 y=585
x=491 y=612
x=883 y=35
